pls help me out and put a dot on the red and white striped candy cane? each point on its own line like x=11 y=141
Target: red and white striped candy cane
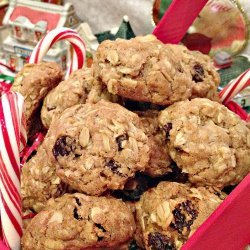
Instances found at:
x=12 y=141
x=232 y=89
x=56 y=35
x=235 y=87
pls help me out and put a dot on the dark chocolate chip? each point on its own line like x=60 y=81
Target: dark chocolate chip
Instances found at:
x=158 y=241
x=120 y=139
x=76 y=215
x=167 y=127
x=100 y=227
x=62 y=147
x=199 y=73
x=114 y=167
x=184 y=216
x=78 y=201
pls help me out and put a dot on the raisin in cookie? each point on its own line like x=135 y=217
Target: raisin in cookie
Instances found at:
x=171 y=212
x=34 y=81
x=79 y=222
x=159 y=160
x=205 y=79
x=39 y=181
x=144 y=69
x=207 y=141
x=97 y=147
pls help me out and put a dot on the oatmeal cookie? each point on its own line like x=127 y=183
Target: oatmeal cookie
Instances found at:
x=34 y=81
x=68 y=93
x=207 y=141
x=99 y=92
x=144 y=69
x=205 y=78
x=97 y=147
x=169 y=214
x=79 y=88
x=159 y=160
x=78 y=221
x=39 y=181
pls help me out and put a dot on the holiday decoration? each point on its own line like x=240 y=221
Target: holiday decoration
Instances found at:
x=225 y=23
x=125 y=31
x=58 y=35
x=28 y=22
x=86 y=33
x=221 y=25
x=13 y=140
x=3 y=29
x=53 y=1
x=3 y=7
x=222 y=59
x=235 y=87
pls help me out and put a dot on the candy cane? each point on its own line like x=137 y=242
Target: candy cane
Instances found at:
x=56 y=35
x=13 y=139
x=237 y=85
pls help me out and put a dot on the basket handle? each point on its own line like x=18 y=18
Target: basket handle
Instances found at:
x=177 y=19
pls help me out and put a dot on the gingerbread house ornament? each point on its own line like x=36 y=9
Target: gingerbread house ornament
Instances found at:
x=90 y=39
x=28 y=21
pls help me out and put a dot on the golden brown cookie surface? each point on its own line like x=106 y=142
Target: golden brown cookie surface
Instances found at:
x=168 y=214
x=160 y=160
x=144 y=69
x=97 y=147
x=34 y=81
x=39 y=181
x=207 y=141
x=79 y=222
x=68 y=93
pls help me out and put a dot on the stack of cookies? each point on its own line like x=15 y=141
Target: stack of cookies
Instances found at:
x=137 y=152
